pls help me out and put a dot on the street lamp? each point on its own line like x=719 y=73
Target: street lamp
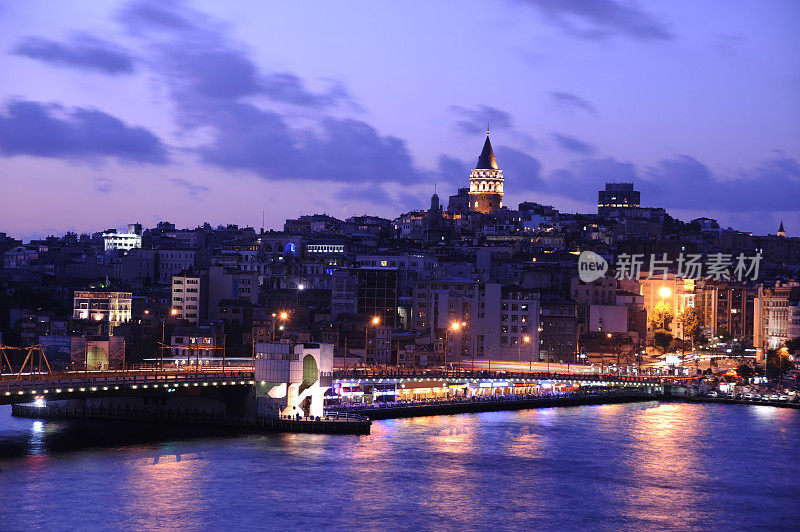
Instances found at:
x=283 y=316
x=527 y=340
x=375 y=321
x=664 y=292
x=454 y=326
x=172 y=312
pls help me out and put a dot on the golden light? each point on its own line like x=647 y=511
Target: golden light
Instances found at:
x=274 y=315
x=284 y=315
x=146 y=311
x=664 y=292
x=609 y=335
x=455 y=326
x=174 y=312
x=526 y=339
x=376 y=320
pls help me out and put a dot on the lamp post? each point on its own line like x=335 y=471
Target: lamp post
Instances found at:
x=454 y=326
x=375 y=321
x=527 y=340
x=172 y=312
x=283 y=316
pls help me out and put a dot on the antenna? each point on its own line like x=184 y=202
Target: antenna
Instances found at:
x=487 y=128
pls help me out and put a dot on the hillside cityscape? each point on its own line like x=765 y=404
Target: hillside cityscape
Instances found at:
x=389 y=292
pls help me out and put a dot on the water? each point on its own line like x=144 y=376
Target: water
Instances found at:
x=633 y=467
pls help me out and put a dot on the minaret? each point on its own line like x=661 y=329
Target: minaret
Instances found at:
x=781 y=232
x=486 y=182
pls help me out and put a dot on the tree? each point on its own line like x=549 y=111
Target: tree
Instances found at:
x=778 y=363
x=745 y=371
x=662 y=340
x=661 y=317
x=692 y=321
x=793 y=346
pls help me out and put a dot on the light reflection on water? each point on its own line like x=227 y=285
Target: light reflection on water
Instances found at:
x=638 y=466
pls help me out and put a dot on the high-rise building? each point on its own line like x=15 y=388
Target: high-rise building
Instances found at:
x=486 y=182
x=617 y=196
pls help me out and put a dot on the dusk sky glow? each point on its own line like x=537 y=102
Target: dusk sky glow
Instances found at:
x=206 y=111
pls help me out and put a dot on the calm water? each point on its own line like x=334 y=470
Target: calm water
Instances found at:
x=649 y=465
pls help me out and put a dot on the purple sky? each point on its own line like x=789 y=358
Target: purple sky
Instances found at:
x=217 y=111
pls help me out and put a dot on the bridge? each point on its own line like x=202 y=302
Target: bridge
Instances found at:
x=26 y=387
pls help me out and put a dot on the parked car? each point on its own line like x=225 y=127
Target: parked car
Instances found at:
x=730 y=395
x=713 y=393
x=750 y=396
x=783 y=398
x=773 y=397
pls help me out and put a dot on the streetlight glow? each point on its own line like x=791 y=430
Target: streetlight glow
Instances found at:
x=664 y=292
x=376 y=320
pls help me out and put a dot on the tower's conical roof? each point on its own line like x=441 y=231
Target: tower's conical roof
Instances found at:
x=487 y=160
x=780 y=229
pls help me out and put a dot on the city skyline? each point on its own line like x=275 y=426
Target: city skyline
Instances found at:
x=226 y=119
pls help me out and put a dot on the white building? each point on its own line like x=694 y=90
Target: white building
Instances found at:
x=123 y=241
x=292 y=379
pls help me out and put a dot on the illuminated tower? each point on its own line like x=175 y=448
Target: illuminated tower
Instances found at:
x=781 y=232
x=486 y=182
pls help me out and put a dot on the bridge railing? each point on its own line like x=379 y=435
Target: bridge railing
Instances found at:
x=78 y=379
x=499 y=375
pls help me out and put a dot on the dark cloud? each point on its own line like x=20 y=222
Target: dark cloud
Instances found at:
x=683 y=182
x=475 y=120
x=213 y=82
x=193 y=50
x=573 y=144
x=602 y=19
x=32 y=128
x=568 y=100
x=83 y=52
x=522 y=172
x=192 y=188
x=452 y=172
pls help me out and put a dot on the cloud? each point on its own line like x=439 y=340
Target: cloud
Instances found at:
x=359 y=194
x=684 y=183
x=103 y=185
x=195 y=51
x=573 y=144
x=522 y=172
x=82 y=52
x=602 y=19
x=216 y=87
x=567 y=100
x=41 y=130
x=772 y=185
x=474 y=121
x=192 y=188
